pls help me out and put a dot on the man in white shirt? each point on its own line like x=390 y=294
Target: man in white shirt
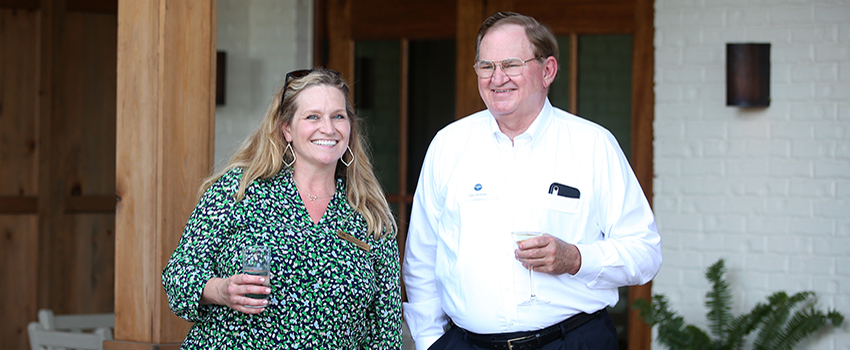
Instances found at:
x=523 y=165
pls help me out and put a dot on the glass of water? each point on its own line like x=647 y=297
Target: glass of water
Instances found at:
x=256 y=261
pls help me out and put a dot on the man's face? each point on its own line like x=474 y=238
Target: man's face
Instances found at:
x=512 y=97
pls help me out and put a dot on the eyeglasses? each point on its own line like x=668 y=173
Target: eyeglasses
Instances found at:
x=511 y=66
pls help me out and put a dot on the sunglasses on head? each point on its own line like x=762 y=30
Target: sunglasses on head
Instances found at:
x=298 y=74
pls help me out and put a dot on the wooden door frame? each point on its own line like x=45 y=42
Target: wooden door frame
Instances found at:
x=165 y=116
x=341 y=24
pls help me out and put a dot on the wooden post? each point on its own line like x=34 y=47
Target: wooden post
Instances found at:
x=50 y=206
x=20 y=213
x=341 y=50
x=643 y=102
x=470 y=14
x=165 y=129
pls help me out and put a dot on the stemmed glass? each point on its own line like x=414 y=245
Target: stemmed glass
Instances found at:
x=520 y=236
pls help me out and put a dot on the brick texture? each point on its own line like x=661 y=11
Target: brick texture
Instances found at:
x=766 y=189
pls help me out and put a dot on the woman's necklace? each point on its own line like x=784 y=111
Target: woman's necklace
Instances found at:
x=312 y=197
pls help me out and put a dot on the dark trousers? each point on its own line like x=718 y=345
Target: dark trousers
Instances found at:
x=596 y=334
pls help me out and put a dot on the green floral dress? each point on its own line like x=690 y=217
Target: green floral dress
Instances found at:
x=326 y=292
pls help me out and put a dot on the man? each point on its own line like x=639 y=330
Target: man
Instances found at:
x=523 y=165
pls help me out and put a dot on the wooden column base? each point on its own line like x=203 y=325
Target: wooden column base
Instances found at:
x=130 y=345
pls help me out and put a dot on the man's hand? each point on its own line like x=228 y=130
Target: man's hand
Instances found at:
x=549 y=254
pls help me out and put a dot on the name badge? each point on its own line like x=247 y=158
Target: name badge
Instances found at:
x=360 y=244
x=479 y=191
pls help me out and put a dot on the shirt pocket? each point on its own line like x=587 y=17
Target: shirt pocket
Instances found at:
x=565 y=218
x=560 y=204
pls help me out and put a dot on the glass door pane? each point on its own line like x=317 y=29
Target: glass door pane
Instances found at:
x=376 y=99
x=430 y=104
x=559 y=91
x=605 y=84
x=432 y=98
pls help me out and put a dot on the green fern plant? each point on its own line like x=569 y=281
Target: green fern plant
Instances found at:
x=781 y=323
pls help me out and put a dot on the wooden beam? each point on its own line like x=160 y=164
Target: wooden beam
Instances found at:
x=93 y=6
x=340 y=41
x=470 y=14
x=573 y=69
x=320 y=33
x=166 y=99
x=18 y=205
x=90 y=204
x=51 y=230
x=643 y=112
x=19 y=113
x=493 y=6
x=393 y=19
x=19 y=4
x=582 y=16
x=404 y=79
x=101 y=6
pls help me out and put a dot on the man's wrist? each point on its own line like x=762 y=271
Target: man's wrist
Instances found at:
x=575 y=263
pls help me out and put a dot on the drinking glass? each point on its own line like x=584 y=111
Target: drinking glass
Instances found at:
x=256 y=261
x=520 y=236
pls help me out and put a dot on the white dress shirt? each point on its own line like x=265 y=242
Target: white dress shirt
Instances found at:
x=476 y=187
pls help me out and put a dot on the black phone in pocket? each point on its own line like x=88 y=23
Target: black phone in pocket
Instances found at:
x=562 y=190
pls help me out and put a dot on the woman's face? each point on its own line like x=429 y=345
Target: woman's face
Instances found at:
x=320 y=129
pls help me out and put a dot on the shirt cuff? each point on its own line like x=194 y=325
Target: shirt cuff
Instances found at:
x=425 y=342
x=591 y=259
x=426 y=322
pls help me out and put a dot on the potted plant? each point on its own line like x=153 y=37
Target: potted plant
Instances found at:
x=781 y=322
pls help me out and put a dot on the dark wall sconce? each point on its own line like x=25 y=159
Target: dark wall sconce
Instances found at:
x=220 y=65
x=748 y=75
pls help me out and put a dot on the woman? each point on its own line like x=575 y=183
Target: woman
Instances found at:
x=302 y=184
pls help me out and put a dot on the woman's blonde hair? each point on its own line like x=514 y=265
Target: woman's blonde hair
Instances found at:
x=262 y=154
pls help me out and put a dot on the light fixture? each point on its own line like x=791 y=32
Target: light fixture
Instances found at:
x=748 y=75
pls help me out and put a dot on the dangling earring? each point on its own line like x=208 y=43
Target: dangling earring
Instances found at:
x=342 y=159
x=289 y=148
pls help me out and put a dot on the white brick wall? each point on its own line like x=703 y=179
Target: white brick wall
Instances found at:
x=768 y=189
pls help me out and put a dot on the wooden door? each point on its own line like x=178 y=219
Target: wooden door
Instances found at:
x=57 y=160
x=396 y=55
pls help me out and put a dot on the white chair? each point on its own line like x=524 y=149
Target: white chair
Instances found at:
x=74 y=322
x=42 y=339
x=75 y=331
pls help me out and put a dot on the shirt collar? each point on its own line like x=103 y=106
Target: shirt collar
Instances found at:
x=534 y=131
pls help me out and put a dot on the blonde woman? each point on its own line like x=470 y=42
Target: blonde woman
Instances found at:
x=303 y=185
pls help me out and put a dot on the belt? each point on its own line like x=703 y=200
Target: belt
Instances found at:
x=530 y=340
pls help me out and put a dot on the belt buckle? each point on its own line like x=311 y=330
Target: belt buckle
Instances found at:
x=511 y=346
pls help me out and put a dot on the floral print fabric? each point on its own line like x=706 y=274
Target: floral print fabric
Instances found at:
x=326 y=292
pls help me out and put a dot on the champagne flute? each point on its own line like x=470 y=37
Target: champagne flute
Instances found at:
x=256 y=261
x=520 y=236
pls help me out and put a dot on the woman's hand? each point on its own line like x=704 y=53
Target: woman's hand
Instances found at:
x=231 y=292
